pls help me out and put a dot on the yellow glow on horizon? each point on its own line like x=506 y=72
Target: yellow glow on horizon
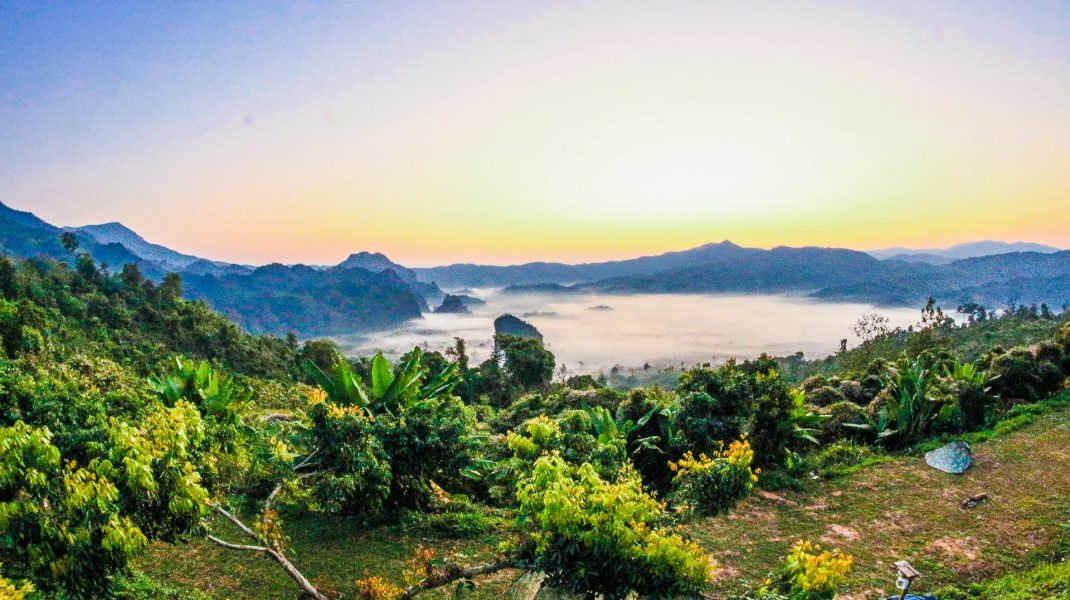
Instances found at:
x=583 y=133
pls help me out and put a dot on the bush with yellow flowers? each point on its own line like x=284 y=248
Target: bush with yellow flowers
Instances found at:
x=10 y=591
x=708 y=485
x=597 y=537
x=809 y=573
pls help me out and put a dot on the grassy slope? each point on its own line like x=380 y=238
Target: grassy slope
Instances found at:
x=902 y=509
x=893 y=510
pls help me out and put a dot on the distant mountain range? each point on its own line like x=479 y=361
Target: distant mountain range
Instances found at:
x=165 y=258
x=365 y=292
x=368 y=291
x=943 y=256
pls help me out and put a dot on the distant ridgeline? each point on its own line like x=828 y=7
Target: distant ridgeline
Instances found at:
x=1039 y=275
x=368 y=291
x=365 y=292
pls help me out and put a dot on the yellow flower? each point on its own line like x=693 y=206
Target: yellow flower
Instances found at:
x=316 y=396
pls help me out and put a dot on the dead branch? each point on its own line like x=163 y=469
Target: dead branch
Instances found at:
x=274 y=553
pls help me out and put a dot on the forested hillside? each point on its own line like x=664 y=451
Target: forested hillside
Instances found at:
x=133 y=421
x=355 y=296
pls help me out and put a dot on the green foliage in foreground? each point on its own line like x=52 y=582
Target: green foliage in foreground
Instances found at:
x=1050 y=581
x=112 y=439
x=604 y=538
x=69 y=527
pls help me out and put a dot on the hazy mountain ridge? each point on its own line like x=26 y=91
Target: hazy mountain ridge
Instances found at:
x=370 y=291
x=278 y=298
x=473 y=275
x=166 y=258
x=960 y=251
x=24 y=235
x=833 y=274
x=272 y=299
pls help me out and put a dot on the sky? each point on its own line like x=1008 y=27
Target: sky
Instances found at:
x=503 y=132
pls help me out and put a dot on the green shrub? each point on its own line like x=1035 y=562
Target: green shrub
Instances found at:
x=837 y=415
x=825 y=396
x=715 y=407
x=780 y=420
x=145 y=486
x=593 y=537
x=359 y=475
x=653 y=442
x=714 y=485
x=808 y=573
x=841 y=458
x=1018 y=376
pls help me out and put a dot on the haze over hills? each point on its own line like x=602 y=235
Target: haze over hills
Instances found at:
x=166 y=258
x=369 y=291
x=377 y=262
x=938 y=256
x=271 y=299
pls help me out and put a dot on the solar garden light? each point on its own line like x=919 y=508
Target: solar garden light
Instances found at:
x=907 y=575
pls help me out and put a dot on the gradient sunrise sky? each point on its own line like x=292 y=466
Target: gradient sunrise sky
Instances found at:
x=501 y=132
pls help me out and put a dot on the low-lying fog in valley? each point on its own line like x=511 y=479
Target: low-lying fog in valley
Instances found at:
x=592 y=332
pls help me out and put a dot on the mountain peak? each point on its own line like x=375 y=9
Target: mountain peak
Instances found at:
x=364 y=255
x=22 y=217
x=369 y=261
x=720 y=244
x=113 y=230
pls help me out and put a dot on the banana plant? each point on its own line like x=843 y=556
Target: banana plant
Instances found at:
x=610 y=430
x=910 y=410
x=391 y=390
x=966 y=372
x=215 y=394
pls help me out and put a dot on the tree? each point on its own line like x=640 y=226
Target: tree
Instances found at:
x=132 y=277
x=322 y=353
x=171 y=288
x=870 y=327
x=973 y=312
x=527 y=362
x=8 y=279
x=69 y=527
x=69 y=242
x=594 y=537
x=458 y=354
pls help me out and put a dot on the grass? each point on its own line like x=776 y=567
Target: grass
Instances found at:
x=1049 y=581
x=893 y=508
x=902 y=509
x=330 y=551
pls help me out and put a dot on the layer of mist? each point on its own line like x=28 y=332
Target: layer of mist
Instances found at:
x=592 y=332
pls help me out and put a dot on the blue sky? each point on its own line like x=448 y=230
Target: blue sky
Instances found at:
x=508 y=131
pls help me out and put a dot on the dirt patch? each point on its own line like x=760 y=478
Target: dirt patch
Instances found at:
x=839 y=533
x=775 y=498
x=967 y=548
x=723 y=572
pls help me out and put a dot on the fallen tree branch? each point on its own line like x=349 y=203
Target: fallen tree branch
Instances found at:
x=249 y=532
x=274 y=553
x=227 y=544
x=453 y=573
